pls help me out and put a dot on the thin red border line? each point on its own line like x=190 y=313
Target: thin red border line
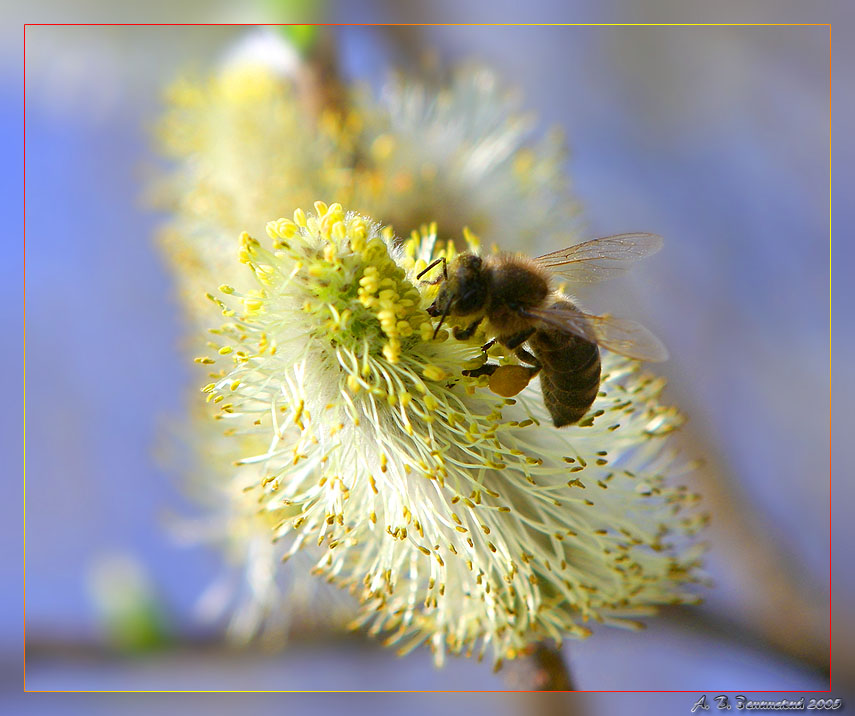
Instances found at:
x=25 y=356
x=345 y=24
x=420 y=691
x=427 y=24
x=830 y=540
x=424 y=691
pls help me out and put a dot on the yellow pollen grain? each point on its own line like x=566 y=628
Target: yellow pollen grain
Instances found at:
x=353 y=384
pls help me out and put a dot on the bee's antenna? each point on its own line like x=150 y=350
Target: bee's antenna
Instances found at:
x=442 y=318
x=430 y=266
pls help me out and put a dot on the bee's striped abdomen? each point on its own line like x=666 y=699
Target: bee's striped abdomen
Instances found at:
x=569 y=375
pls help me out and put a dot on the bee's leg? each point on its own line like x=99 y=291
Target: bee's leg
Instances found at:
x=433 y=281
x=517 y=339
x=486 y=369
x=527 y=357
x=443 y=277
x=464 y=334
x=488 y=345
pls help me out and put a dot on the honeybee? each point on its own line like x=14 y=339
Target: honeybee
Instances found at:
x=514 y=293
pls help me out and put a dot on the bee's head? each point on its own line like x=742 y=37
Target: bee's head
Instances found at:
x=463 y=290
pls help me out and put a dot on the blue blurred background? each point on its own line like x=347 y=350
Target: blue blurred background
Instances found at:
x=715 y=137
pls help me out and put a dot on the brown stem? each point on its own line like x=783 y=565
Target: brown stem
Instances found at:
x=319 y=86
x=542 y=668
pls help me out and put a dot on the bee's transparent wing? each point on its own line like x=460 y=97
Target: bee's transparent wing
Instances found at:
x=600 y=259
x=619 y=335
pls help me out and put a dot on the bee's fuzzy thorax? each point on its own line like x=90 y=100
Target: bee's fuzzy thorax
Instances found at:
x=516 y=282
